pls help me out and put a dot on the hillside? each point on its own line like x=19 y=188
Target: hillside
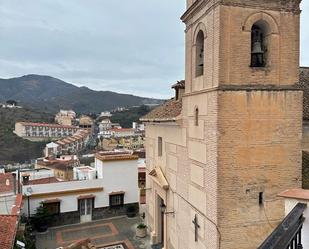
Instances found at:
x=49 y=94
x=13 y=148
x=126 y=118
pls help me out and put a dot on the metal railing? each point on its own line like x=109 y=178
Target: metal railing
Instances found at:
x=287 y=234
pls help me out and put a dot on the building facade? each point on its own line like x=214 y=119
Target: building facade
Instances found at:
x=108 y=194
x=65 y=117
x=69 y=145
x=43 y=131
x=218 y=153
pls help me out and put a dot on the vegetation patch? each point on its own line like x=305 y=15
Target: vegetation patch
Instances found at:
x=14 y=149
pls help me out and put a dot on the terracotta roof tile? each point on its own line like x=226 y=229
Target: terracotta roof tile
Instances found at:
x=43 y=181
x=115 y=157
x=305 y=171
x=304 y=84
x=166 y=112
x=301 y=194
x=8 y=227
x=48 y=125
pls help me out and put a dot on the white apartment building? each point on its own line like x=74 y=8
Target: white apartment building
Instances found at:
x=42 y=131
x=67 y=145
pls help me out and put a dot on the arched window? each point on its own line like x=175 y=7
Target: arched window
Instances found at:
x=199 y=55
x=260 y=35
x=196 y=116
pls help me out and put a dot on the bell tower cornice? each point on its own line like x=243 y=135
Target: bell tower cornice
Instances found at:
x=276 y=5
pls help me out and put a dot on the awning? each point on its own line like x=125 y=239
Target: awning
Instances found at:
x=157 y=176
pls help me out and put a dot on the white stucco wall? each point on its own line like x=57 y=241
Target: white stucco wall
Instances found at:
x=116 y=176
x=121 y=176
x=289 y=205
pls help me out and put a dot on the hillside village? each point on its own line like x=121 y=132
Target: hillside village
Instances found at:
x=223 y=164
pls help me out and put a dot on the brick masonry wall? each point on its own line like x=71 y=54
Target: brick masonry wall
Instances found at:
x=235 y=47
x=259 y=150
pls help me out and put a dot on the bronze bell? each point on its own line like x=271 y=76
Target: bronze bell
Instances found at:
x=201 y=60
x=257 y=48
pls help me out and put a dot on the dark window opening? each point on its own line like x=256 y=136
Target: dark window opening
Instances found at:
x=52 y=208
x=261 y=198
x=196 y=113
x=260 y=35
x=116 y=200
x=159 y=146
x=200 y=54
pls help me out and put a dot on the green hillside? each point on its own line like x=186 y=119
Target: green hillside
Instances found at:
x=13 y=148
x=125 y=118
x=48 y=94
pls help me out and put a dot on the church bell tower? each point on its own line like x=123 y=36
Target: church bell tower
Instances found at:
x=242 y=106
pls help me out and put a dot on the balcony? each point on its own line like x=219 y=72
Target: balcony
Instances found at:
x=288 y=235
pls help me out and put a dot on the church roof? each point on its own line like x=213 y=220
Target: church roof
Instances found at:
x=165 y=112
x=304 y=84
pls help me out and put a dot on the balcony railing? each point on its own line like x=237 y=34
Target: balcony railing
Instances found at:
x=288 y=234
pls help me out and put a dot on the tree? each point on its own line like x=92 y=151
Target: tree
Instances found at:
x=11 y=102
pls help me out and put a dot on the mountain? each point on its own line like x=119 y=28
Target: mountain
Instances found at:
x=46 y=93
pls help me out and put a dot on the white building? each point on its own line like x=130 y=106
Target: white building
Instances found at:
x=71 y=144
x=86 y=200
x=65 y=117
x=122 y=132
x=43 y=131
x=105 y=125
x=105 y=114
x=84 y=173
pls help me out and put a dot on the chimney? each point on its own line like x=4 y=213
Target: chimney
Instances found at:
x=179 y=89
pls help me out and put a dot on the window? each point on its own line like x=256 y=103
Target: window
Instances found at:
x=196 y=116
x=52 y=207
x=199 y=56
x=260 y=36
x=261 y=198
x=116 y=200
x=159 y=146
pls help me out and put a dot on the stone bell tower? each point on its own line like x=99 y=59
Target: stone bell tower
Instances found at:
x=243 y=114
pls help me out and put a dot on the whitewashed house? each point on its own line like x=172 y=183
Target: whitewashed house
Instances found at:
x=115 y=188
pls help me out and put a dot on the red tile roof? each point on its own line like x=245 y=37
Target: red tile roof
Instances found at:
x=18 y=203
x=304 y=85
x=8 y=227
x=43 y=181
x=115 y=157
x=6 y=183
x=165 y=112
x=301 y=194
x=48 y=125
x=122 y=129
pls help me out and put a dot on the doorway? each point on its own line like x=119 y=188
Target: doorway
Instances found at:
x=85 y=207
x=161 y=211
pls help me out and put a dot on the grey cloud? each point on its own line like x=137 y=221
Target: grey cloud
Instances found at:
x=125 y=46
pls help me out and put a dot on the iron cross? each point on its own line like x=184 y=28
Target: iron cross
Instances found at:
x=196 y=227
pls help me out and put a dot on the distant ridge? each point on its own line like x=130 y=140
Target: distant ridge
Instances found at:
x=50 y=94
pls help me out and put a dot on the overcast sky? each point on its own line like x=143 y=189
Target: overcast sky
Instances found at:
x=134 y=46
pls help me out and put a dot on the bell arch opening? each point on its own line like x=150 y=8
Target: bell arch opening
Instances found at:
x=260 y=41
x=199 y=54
